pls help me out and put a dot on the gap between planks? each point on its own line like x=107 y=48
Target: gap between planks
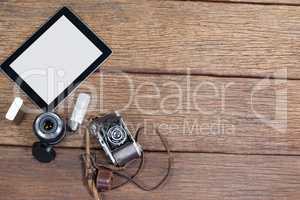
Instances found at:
x=180 y=73
x=158 y=151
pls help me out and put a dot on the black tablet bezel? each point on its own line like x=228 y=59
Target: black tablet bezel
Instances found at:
x=85 y=30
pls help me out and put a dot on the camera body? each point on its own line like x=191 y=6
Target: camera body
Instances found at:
x=115 y=139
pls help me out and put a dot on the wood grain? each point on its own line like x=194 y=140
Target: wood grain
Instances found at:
x=172 y=36
x=193 y=68
x=194 y=176
x=230 y=115
x=263 y=2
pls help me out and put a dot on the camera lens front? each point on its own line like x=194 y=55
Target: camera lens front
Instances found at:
x=49 y=127
x=116 y=135
x=48 y=124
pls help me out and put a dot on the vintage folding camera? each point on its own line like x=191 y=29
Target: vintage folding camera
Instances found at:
x=115 y=139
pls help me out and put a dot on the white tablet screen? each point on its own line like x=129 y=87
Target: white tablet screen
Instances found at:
x=55 y=59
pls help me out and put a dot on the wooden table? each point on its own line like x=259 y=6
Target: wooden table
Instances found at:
x=220 y=79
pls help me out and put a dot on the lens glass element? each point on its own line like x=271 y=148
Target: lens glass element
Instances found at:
x=49 y=127
x=48 y=124
x=116 y=135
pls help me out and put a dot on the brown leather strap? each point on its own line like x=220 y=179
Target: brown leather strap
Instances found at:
x=89 y=171
x=104 y=180
x=139 y=185
x=99 y=175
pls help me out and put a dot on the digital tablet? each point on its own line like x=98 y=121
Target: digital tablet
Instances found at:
x=56 y=59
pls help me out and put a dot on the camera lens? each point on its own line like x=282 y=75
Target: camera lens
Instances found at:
x=49 y=127
x=48 y=124
x=116 y=135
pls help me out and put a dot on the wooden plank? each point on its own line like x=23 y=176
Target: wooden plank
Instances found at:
x=196 y=113
x=194 y=176
x=264 y=2
x=173 y=36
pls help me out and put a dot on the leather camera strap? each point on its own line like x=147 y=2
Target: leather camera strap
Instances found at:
x=99 y=175
x=89 y=170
